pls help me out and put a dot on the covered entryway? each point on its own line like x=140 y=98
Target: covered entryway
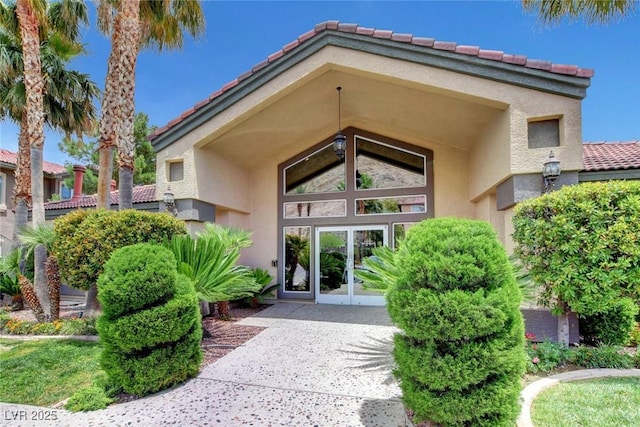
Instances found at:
x=432 y=129
x=339 y=252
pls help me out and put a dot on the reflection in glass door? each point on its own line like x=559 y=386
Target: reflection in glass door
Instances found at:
x=339 y=251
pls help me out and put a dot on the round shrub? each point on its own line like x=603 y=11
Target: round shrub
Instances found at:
x=580 y=244
x=157 y=344
x=460 y=356
x=136 y=277
x=88 y=238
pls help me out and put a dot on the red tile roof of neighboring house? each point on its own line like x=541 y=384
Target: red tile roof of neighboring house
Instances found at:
x=493 y=55
x=599 y=156
x=11 y=158
x=141 y=194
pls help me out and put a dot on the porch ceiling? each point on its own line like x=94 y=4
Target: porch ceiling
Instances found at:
x=309 y=113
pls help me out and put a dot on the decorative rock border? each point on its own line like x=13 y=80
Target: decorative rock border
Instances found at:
x=532 y=390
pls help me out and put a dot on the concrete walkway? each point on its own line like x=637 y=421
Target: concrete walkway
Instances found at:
x=314 y=365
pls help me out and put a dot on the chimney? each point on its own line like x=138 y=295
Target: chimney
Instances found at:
x=114 y=185
x=78 y=170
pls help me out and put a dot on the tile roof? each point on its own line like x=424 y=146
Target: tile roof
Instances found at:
x=601 y=156
x=11 y=158
x=141 y=194
x=492 y=55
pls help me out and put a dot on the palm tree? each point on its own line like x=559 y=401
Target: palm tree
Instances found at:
x=43 y=237
x=137 y=24
x=593 y=11
x=41 y=37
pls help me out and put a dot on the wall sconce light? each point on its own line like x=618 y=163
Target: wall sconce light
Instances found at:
x=170 y=202
x=339 y=141
x=550 y=172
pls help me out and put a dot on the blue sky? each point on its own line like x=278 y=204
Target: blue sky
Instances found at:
x=241 y=34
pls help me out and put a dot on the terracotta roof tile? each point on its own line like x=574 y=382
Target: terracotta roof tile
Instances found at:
x=347 y=28
x=600 y=156
x=367 y=31
x=229 y=85
x=468 y=50
x=11 y=158
x=440 y=45
x=492 y=55
x=405 y=38
x=275 y=55
x=423 y=41
x=141 y=194
x=514 y=59
x=291 y=45
x=245 y=75
x=260 y=65
x=382 y=34
x=306 y=36
x=538 y=64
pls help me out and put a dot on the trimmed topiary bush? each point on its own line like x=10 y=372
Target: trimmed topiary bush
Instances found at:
x=460 y=356
x=150 y=328
x=86 y=239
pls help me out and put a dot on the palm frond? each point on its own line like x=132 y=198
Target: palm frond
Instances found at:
x=380 y=271
x=41 y=234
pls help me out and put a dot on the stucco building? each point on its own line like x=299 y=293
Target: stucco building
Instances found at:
x=432 y=129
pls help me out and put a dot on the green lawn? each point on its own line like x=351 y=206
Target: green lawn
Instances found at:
x=603 y=402
x=44 y=372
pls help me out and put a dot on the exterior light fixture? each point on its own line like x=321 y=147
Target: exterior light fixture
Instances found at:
x=550 y=172
x=170 y=202
x=339 y=141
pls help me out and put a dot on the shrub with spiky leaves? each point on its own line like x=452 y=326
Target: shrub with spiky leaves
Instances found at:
x=460 y=356
x=150 y=328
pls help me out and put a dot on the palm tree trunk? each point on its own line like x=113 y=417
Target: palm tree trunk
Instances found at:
x=22 y=186
x=223 y=310
x=54 y=284
x=34 y=108
x=130 y=38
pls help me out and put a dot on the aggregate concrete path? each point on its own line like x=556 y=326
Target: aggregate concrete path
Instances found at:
x=313 y=365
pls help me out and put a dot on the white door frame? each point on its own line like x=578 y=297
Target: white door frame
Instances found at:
x=351 y=297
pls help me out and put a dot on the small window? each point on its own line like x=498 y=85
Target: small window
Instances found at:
x=176 y=171
x=391 y=205
x=315 y=209
x=544 y=133
x=2 y=190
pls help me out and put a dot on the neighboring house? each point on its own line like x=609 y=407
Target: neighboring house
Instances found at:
x=53 y=176
x=143 y=198
x=454 y=130
x=604 y=161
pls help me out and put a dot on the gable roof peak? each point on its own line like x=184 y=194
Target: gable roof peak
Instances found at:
x=357 y=30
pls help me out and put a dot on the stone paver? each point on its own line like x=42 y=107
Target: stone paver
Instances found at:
x=314 y=365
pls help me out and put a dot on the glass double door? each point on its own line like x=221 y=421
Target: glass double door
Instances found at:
x=339 y=252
